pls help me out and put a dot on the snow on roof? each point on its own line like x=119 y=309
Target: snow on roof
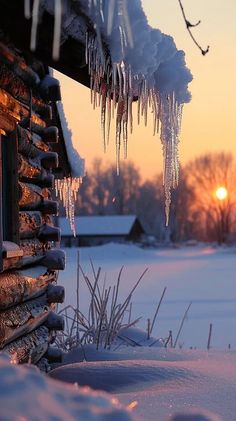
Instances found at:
x=75 y=160
x=98 y=225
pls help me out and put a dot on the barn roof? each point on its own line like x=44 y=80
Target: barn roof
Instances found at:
x=99 y=225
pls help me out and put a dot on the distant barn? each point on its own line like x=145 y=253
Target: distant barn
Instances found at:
x=97 y=230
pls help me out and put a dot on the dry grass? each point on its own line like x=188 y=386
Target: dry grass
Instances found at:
x=106 y=314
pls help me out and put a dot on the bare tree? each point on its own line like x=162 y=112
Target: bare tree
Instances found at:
x=211 y=216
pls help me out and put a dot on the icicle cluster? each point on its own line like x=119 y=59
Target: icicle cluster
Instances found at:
x=142 y=64
x=67 y=189
x=114 y=87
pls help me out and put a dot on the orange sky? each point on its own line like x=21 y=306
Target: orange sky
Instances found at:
x=209 y=121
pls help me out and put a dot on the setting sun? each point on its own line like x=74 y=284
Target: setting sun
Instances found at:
x=221 y=193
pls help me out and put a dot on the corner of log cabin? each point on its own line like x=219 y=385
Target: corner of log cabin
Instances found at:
x=31 y=148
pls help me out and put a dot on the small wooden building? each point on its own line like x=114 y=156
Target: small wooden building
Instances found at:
x=33 y=151
x=97 y=230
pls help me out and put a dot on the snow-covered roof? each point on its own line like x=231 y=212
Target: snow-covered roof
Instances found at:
x=98 y=225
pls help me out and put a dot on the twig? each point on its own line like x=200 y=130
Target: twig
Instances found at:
x=157 y=310
x=148 y=329
x=169 y=340
x=209 y=337
x=182 y=323
x=190 y=25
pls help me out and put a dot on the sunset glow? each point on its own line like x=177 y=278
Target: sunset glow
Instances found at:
x=221 y=193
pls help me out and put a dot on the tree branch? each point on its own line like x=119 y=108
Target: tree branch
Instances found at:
x=190 y=25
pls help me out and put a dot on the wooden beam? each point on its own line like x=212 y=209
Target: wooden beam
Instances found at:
x=22 y=285
x=30 y=348
x=10 y=189
x=16 y=109
x=22 y=319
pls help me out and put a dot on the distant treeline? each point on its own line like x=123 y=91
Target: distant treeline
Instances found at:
x=196 y=213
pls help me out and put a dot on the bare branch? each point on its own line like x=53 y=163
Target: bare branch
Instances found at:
x=190 y=25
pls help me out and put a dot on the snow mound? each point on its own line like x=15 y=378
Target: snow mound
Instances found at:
x=122 y=376
x=27 y=394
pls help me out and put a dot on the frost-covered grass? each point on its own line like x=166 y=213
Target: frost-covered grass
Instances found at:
x=106 y=315
x=202 y=275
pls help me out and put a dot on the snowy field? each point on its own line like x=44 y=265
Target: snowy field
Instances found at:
x=204 y=276
x=157 y=383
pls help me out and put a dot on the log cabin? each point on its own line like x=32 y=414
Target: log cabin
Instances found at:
x=33 y=153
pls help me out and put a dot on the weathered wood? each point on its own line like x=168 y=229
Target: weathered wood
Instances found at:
x=49 y=233
x=1 y=227
x=10 y=188
x=55 y=321
x=54 y=259
x=19 y=66
x=22 y=319
x=31 y=196
x=15 y=86
x=16 y=110
x=54 y=354
x=32 y=247
x=55 y=294
x=33 y=150
x=30 y=348
x=22 y=285
x=48 y=134
x=50 y=89
x=30 y=223
x=32 y=173
x=10 y=249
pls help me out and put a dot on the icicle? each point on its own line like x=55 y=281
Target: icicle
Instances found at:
x=57 y=29
x=67 y=190
x=108 y=116
x=170 y=116
x=110 y=17
x=116 y=82
x=35 y=17
x=103 y=91
x=27 y=12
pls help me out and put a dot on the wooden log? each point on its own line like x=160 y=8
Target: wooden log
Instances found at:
x=22 y=319
x=22 y=285
x=36 y=150
x=12 y=255
x=16 y=109
x=31 y=222
x=54 y=354
x=54 y=259
x=50 y=89
x=48 y=134
x=49 y=233
x=33 y=173
x=55 y=294
x=7 y=122
x=30 y=348
x=31 y=196
x=18 y=65
x=55 y=321
x=32 y=247
x=38 y=142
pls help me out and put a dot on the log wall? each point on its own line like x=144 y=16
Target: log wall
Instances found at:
x=29 y=259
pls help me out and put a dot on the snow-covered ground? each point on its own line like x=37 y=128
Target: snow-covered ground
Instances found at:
x=158 y=383
x=202 y=275
x=162 y=383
